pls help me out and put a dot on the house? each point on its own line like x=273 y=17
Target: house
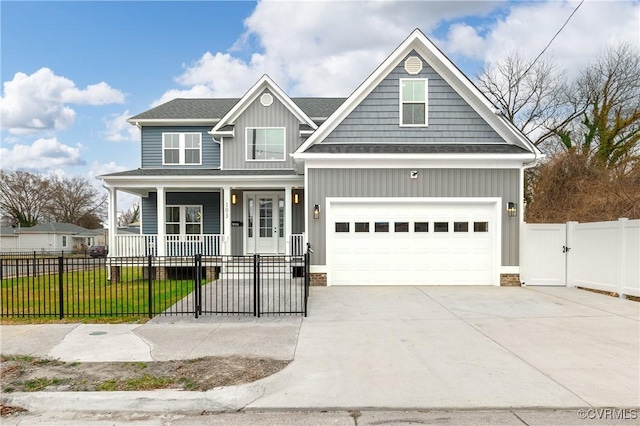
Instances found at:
x=53 y=236
x=415 y=178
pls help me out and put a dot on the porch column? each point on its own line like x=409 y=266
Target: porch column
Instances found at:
x=287 y=220
x=226 y=216
x=161 y=206
x=113 y=221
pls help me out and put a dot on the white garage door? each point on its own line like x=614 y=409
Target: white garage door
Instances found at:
x=393 y=242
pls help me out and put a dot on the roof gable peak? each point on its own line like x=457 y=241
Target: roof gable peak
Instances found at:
x=265 y=82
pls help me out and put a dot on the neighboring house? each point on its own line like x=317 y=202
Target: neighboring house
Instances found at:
x=52 y=236
x=413 y=179
x=8 y=238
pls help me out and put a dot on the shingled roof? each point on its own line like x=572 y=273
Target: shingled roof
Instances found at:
x=214 y=109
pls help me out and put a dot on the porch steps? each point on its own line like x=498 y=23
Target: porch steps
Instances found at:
x=241 y=268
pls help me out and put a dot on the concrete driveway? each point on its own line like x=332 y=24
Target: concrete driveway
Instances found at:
x=461 y=347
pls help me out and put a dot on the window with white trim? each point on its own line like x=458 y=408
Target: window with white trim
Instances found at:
x=413 y=102
x=181 y=148
x=183 y=220
x=265 y=143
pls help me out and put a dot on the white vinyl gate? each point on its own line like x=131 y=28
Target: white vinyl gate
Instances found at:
x=544 y=260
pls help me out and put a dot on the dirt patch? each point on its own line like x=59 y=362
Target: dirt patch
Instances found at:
x=30 y=374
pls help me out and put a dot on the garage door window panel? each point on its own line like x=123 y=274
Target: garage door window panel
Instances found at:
x=460 y=226
x=342 y=226
x=401 y=227
x=361 y=227
x=382 y=227
x=421 y=227
x=441 y=227
x=480 y=226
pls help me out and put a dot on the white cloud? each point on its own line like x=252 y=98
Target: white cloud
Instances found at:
x=118 y=130
x=315 y=48
x=125 y=200
x=98 y=169
x=40 y=101
x=464 y=39
x=43 y=154
x=530 y=26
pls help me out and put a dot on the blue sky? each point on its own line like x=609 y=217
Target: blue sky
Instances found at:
x=73 y=71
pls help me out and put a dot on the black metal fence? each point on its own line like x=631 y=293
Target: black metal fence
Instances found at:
x=147 y=286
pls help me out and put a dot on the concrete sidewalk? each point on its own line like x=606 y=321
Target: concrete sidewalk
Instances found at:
x=377 y=347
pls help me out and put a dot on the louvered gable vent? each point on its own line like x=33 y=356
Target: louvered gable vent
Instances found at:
x=413 y=65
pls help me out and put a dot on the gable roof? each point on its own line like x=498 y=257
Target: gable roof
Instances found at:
x=264 y=83
x=447 y=70
x=57 y=228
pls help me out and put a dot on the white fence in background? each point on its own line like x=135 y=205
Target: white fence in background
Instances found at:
x=599 y=255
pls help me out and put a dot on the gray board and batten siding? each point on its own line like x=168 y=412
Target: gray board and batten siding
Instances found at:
x=325 y=183
x=450 y=118
x=257 y=115
x=210 y=202
x=152 y=147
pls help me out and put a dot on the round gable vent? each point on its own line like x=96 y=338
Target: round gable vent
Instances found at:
x=266 y=99
x=413 y=65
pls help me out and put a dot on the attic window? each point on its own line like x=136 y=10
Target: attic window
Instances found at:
x=413 y=102
x=266 y=99
x=413 y=65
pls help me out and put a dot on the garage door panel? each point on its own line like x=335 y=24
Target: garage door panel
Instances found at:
x=423 y=258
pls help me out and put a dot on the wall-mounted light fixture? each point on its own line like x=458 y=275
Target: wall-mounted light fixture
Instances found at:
x=512 y=209
x=234 y=199
x=296 y=198
x=316 y=212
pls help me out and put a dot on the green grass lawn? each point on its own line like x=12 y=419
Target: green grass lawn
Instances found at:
x=88 y=295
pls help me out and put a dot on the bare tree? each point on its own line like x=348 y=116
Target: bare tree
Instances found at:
x=23 y=196
x=130 y=216
x=533 y=97
x=74 y=199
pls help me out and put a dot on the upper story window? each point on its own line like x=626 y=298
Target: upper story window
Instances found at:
x=181 y=148
x=266 y=143
x=413 y=102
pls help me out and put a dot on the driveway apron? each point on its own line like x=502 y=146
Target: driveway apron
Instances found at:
x=461 y=347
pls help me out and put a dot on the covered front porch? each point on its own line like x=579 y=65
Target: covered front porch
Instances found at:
x=225 y=214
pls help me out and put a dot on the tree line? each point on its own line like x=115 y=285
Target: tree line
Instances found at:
x=588 y=126
x=27 y=199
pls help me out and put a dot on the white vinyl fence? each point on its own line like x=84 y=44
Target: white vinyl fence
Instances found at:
x=600 y=255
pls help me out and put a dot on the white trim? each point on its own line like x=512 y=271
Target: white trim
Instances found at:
x=318 y=269
x=509 y=269
x=221 y=152
x=445 y=68
x=172 y=122
x=181 y=149
x=183 y=218
x=246 y=146
x=253 y=93
x=418 y=161
x=256 y=218
x=497 y=236
x=401 y=102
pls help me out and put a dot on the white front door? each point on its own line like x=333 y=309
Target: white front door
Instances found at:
x=264 y=215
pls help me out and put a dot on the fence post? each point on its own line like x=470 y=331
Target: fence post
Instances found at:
x=622 y=258
x=150 y=285
x=570 y=254
x=60 y=285
x=307 y=278
x=197 y=295
x=1 y=270
x=256 y=285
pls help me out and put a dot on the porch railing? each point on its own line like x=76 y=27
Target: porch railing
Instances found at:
x=175 y=245
x=298 y=246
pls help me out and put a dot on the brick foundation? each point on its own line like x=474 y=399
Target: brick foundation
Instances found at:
x=319 y=279
x=510 y=280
